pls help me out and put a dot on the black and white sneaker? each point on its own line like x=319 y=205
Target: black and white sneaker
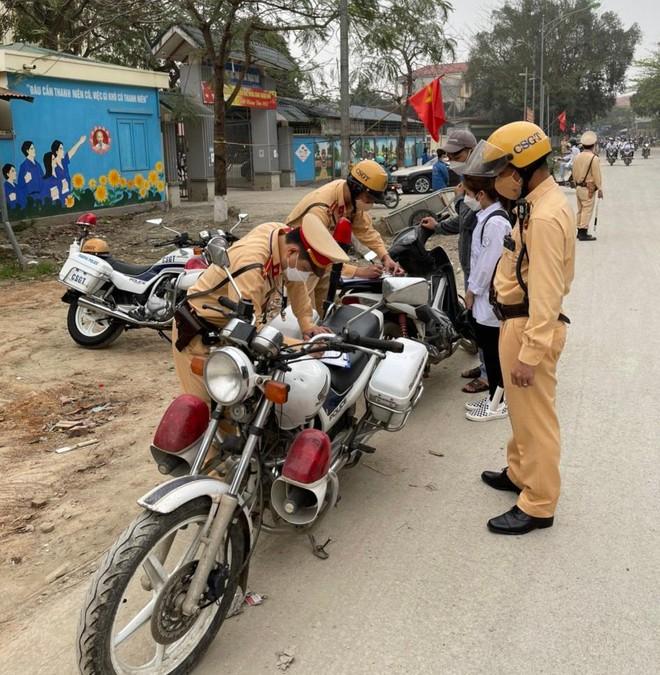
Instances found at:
x=486 y=413
x=473 y=405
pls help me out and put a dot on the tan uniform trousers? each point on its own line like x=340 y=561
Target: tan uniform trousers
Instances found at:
x=585 y=207
x=190 y=383
x=533 y=451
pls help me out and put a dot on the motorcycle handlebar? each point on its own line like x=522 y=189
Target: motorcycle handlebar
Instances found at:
x=373 y=343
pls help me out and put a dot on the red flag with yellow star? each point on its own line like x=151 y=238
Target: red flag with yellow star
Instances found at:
x=430 y=108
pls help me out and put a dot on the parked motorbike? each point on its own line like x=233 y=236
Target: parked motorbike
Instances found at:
x=107 y=296
x=627 y=155
x=439 y=321
x=646 y=150
x=393 y=193
x=612 y=155
x=268 y=456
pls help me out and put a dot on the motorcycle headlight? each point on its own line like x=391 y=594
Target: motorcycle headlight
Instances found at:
x=229 y=376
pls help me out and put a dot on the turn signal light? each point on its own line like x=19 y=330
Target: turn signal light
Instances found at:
x=197 y=365
x=277 y=392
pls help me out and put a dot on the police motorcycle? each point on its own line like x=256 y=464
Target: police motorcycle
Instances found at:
x=646 y=150
x=611 y=153
x=627 y=153
x=440 y=321
x=267 y=457
x=107 y=296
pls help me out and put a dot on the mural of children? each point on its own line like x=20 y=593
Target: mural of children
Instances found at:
x=11 y=188
x=50 y=193
x=60 y=164
x=29 y=176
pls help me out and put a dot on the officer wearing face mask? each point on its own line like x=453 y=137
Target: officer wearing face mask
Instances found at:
x=532 y=278
x=352 y=198
x=269 y=258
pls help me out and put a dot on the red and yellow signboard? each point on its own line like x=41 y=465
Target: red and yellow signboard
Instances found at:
x=248 y=97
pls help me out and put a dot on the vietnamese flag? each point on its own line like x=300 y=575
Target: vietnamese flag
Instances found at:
x=429 y=107
x=561 y=118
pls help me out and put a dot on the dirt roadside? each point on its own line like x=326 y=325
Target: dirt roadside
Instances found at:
x=60 y=511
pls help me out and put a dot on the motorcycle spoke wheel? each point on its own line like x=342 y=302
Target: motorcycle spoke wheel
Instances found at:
x=132 y=621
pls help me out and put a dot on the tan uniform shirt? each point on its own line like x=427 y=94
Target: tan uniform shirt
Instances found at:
x=583 y=173
x=547 y=269
x=257 y=285
x=332 y=194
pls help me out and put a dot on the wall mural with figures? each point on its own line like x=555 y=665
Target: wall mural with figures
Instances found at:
x=81 y=146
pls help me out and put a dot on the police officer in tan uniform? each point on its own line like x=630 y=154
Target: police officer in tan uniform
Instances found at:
x=532 y=278
x=262 y=263
x=589 y=182
x=352 y=198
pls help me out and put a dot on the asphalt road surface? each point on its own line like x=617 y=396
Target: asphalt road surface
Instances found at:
x=414 y=582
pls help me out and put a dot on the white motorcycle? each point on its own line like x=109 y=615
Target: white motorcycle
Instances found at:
x=268 y=457
x=107 y=296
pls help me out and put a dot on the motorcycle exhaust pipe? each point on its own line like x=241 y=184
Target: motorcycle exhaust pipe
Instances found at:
x=122 y=316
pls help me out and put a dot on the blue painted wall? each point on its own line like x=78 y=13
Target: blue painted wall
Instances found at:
x=111 y=151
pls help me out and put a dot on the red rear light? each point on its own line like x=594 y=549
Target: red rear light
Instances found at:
x=195 y=264
x=183 y=423
x=308 y=459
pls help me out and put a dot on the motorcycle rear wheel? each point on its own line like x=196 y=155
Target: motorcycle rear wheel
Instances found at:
x=391 y=199
x=90 y=329
x=137 y=557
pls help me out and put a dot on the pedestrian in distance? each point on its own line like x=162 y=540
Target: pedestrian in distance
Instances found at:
x=588 y=182
x=439 y=173
x=532 y=279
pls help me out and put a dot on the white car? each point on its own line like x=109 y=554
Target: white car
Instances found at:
x=415 y=178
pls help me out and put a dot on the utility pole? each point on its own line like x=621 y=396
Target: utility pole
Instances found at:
x=525 y=97
x=541 y=90
x=344 y=94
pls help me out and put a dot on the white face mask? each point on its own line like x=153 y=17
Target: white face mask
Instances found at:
x=292 y=273
x=472 y=203
x=363 y=206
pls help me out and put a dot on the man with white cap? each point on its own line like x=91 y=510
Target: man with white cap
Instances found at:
x=262 y=264
x=588 y=181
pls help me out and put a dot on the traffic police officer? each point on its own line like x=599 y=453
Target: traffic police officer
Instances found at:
x=352 y=198
x=532 y=278
x=272 y=256
x=588 y=181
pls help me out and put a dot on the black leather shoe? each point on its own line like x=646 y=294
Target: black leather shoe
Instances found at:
x=583 y=235
x=500 y=481
x=517 y=522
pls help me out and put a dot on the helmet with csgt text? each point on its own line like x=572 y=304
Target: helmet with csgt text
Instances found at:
x=526 y=142
x=368 y=176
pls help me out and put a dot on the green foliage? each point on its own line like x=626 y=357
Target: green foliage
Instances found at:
x=646 y=100
x=12 y=270
x=586 y=58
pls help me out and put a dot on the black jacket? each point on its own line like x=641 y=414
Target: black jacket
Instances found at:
x=463 y=225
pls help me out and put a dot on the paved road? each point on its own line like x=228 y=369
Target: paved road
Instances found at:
x=415 y=583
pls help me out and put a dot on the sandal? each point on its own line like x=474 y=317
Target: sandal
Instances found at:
x=471 y=373
x=475 y=386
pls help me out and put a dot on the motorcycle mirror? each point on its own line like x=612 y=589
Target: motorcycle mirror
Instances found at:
x=216 y=250
x=242 y=216
x=406 y=290
x=154 y=221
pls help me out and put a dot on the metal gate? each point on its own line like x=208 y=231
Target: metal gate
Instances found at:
x=181 y=155
x=240 y=170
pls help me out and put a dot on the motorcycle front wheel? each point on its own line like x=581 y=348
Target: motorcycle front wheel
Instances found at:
x=131 y=621
x=91 y=329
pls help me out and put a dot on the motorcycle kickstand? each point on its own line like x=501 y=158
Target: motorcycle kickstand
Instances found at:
x=167 y=339
x=319 y=549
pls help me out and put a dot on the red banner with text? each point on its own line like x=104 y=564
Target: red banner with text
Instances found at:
x=248 y=97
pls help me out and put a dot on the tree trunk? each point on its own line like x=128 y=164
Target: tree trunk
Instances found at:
x=403 y=132
x=219 y=146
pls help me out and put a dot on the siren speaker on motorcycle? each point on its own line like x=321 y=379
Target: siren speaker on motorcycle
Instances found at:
x=295 y=503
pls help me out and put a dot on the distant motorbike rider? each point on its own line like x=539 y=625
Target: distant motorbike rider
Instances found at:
x=352 y=198
x=588 y=182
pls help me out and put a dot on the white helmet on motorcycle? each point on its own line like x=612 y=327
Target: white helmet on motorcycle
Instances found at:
x=309 y=384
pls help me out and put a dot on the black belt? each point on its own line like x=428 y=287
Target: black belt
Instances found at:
x=504 y=312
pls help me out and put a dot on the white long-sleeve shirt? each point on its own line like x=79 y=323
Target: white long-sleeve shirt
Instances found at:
x=485 y=252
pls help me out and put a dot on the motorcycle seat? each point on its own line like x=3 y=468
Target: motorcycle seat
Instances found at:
x=342 y=379
x=361 y=284
x=127 y=268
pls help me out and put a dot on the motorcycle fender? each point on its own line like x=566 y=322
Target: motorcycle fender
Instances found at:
x=129 y=284
x=167 y=497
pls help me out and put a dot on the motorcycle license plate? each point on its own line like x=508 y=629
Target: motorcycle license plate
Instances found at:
x=77 y=278
x=399 y=190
